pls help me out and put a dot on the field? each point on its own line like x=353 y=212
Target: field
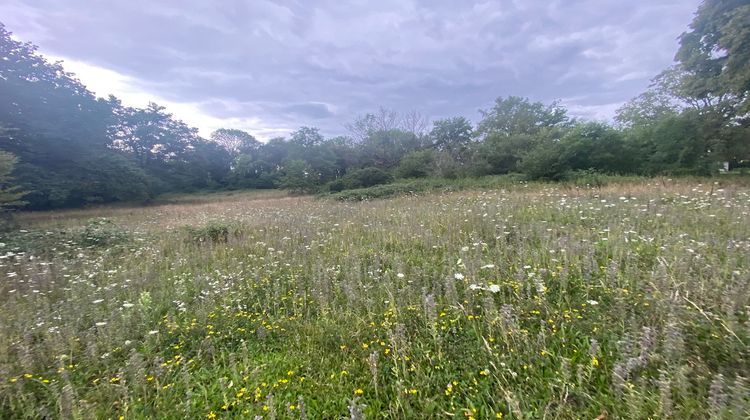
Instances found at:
x=533 y=301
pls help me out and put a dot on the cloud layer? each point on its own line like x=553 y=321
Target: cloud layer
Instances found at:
x=270 y=67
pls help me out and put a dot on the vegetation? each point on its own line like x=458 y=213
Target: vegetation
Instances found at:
x=75 y=149
x=438 y=274
x=10 y=196
x=627 y=300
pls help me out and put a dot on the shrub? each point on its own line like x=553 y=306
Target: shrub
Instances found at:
x=366 y=177
x=214 y=232
x=416 y=164
x=101 y=232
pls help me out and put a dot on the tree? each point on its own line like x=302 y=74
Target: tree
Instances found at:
x=416 y=164
x=647 y=109
x=307 y=137
x=515 y=115
x=596 y=146
x=10 y=195
x=235 y=141
x=386 y=119
x=384 y=149
x=152 y=135
x=414 y=122
x=715 y=53
x=452 y=135
x=501 y=154
x=298 y=177
x=59 y=131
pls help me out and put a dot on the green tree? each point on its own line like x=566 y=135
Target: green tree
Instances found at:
x=10 y=195
x=452 y=135
x=307 y=137
x=715 y=53
x=515 y=115
x=416 y=164
x=384 y=149
x=647 y=109
x=59 y=131
x=596 y=146
x=298 y=177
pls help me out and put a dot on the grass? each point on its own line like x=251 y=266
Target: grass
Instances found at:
x=629 y=300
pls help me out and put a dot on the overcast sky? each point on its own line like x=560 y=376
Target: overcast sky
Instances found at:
x=271 y=66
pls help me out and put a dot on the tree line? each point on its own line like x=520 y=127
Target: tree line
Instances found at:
x=60 y=146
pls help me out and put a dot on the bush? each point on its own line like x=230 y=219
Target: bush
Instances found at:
x=336 y=186
x=416 y=164
x=214 y=232
x=101 y=232
x=587 y=178
x=366 y=177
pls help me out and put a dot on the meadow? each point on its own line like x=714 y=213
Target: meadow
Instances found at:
x=530 y=301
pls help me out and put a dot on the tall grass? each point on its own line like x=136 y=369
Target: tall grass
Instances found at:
x=624 y=301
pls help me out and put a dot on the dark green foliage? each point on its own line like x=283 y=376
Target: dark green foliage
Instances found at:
x=417 y=164
x=385 y=149
x=366 y=177
x=75 y=149
x=453 y=136
x=715 y=56
x=10 y=195
x=298 y=177
x=544 y=162
x=596 y=146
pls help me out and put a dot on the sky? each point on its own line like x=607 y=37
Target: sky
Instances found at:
x=269 y=67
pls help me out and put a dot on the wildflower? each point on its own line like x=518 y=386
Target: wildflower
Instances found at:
x=211 y=415
x=485 y=372
x=458 y=276
x=494 y=288
x=359 y=391
x=400 y=275
x=594 y=361
x=592 y=302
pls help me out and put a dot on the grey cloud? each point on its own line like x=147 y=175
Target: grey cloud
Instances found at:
x=309 y=110
x=292 y=63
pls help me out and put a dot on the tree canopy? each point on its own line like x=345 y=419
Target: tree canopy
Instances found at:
x=63 y=146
